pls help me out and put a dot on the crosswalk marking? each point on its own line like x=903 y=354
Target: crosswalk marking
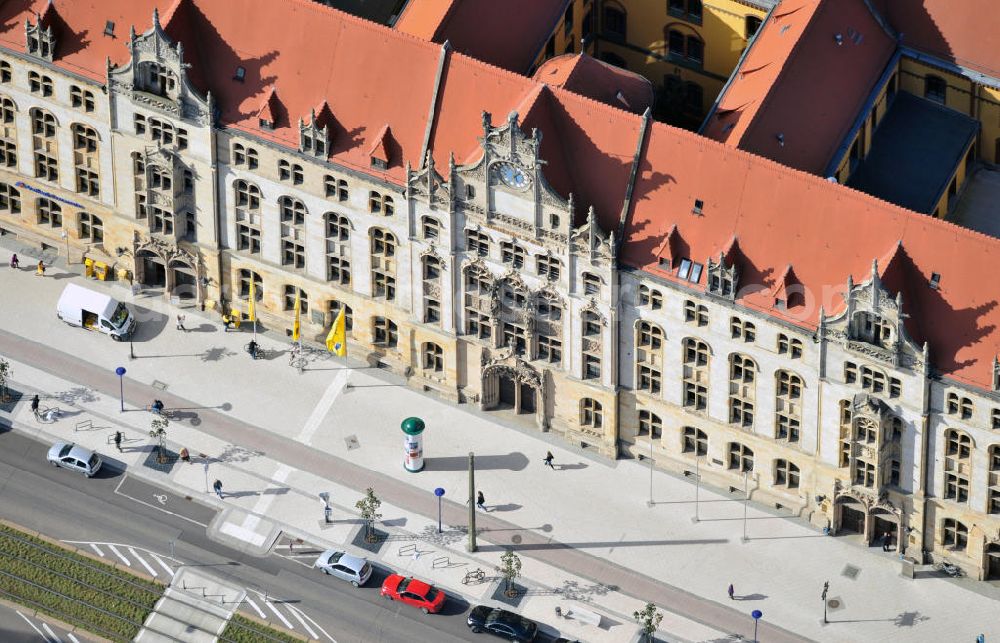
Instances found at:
x=295 y=613
x=152 y=572
x=72 y=638
x=163 y=564
x=119 y=554
x=54 y=637
x=97 y=550
x=257 y=609
x=284 y=620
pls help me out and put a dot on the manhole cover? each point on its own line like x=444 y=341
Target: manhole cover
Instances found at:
x=851 y=571
x=833 y=603
x=352 y=442
x=516 y=539
x=160 y=386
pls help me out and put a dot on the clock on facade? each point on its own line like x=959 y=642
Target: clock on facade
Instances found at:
x=513 y=176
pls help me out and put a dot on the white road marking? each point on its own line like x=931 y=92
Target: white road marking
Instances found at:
x=284 y=620
x=55 y=637
x=117 y=553
x=72 y=638
x=28 y=621
x=295 y=613
x=143 y=502
x=97 y=549
x=152 y=572
x=254 y=606
x=163 y=564
x=323 y=406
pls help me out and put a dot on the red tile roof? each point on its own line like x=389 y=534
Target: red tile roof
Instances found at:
x=799 y=84
x=588 y=76
x=764 y=216
x=963 y=32
x=508 y=34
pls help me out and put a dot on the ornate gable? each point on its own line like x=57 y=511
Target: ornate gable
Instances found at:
x=872 y=324
x=723 y=275
x=590 y=241
x=314 y=136
x=39 y=37
x=427 y=183
x=156 y=76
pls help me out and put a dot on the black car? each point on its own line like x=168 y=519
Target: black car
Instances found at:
x=501 y=623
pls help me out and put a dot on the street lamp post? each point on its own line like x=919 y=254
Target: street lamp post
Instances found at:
x=471 y=545
x=120 y=372
x=327 y=511
x=826 y=588
x=756 y=614
x=746 y=502
x=439 y=492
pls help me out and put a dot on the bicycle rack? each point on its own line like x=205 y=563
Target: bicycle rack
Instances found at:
x=86 y=425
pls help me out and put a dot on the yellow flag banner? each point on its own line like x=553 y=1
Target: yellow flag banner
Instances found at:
x=251 y=305
x=336 y=340
x=297 y=324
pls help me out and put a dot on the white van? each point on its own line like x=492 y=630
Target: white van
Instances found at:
x=79 y=306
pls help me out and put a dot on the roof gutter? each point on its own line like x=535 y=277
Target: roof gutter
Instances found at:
x=633 y=173
x=863 y=113
x=732 y=76
x=432 y=113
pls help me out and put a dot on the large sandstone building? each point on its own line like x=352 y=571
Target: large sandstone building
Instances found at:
x=631 y=287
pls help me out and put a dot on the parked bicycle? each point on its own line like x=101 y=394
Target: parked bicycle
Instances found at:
x=475 y=576
x=949 y=568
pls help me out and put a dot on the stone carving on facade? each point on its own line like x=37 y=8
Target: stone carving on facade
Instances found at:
x=593 y=307
x=505 y=360
x=167 y=251
x=431 y=251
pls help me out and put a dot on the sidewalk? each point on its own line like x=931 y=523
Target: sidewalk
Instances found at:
x=337 y=425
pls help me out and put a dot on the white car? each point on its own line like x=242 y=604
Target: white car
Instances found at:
x=75 y=457
x=355 y=570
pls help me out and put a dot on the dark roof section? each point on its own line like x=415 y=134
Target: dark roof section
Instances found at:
x=916 y=149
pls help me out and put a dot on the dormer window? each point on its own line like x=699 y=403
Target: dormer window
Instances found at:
x=688 y=270
x=109 y=28
x=379 y=164
x=265 y=124
x=722 y=280
x=240 y=75
x=871 y=328
x=313 y=140
x=41 y=42
x=159 y=80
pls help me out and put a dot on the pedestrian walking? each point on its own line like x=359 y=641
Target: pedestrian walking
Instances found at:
x=732 y=592
x=118 y=441
x=180 y=323
x=14 y=261
x=548 y=460
x=185 y=455
x=217 y=485
x=34 y=405
x=40 y=270
x=481 y=501
x=157 y=407
x=885 y=541
x=227 y=323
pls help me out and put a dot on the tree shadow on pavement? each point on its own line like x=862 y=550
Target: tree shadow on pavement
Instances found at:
x=236 y=453
x=74 y=395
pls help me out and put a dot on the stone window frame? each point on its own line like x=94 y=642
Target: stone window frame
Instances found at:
x=292 y=215
x=333 y=307
x=592 y=349
x=247 y=199
x=48 y=213
x=957 y=473
x=431 y=270
x=6 y=72
x=787 y=405
x=91 y=227
x=81 y=98
x=385 y=332
x=742 y=390
x=288 y=299
x=694 y=441
x=40 y=84
x=334 y=187
x=696 y=364
x=591 y=413
x=477 y=243
x=954 y=534
x=382 y=252
x=548 y=316
x=430 y=228
x=741 y=329
x=432 y=357
x=959 y=405
x=695 y=313
x=649 y=340
x=591 y=284
x=786 y=474
x=45 y=145
x=86 y=159
x=789 y=346
x=993 y=479
x=243 y=278
x=739 y=457
x=379 y=203
x=337 y=231
x=10 y=199
x=548 y=268
x=650 y=425
x=477 y=293
x=512 y=254
x=650 y=297
x=8 y=132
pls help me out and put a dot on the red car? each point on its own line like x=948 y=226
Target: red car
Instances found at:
x=413 y=592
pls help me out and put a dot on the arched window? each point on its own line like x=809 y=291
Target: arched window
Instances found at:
x=591 y=284
x=512 y=254
x=592 y=345
x=385 y=332
x=8 y=133
x=91 y=228
x=432 y=357
x=85 y=161
x=954 y=534
x=650 y=425
x=430 y=229
x=935 y=89
x=338 y=248
x=431 y=272
x=43 y=130
x=649 y=357
x=993 y=495
x=740 y=457
x=289 y=299
x=49 y=213
x=786 y=474
x=383 y=253
x=380 y=204
x=694 y=441
x=246 y=277
x=742 y=391
x=10 y=199
x=591 y=413
x=615 y=23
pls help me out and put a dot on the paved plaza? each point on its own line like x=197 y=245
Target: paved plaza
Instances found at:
x=276 y=438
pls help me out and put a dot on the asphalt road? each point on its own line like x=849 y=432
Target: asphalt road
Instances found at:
x=109 y=509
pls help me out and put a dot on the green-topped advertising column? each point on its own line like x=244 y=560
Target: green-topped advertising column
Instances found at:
x=413 y=442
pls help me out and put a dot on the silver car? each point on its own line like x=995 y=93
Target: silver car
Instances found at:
x=355 y=570
x=75 y=457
